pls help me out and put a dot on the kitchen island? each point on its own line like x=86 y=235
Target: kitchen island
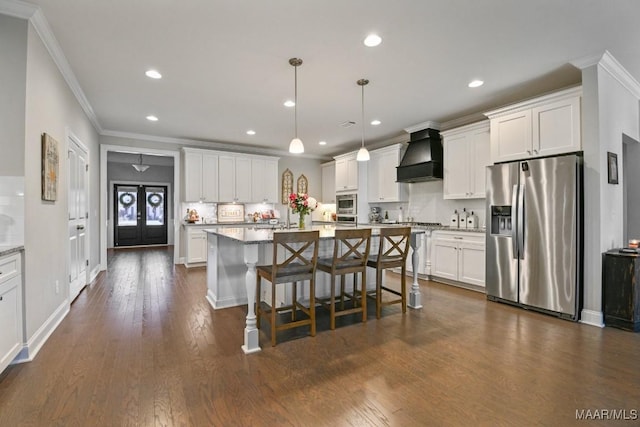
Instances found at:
x=232 y=256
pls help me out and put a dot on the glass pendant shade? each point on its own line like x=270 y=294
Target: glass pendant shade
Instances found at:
x=296 y=146
x=363 y=155
x=140 y=167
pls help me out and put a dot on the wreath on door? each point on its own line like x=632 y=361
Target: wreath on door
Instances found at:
x=154 y=199
x=127 y=199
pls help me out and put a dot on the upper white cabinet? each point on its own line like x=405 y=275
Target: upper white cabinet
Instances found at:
x=264 y=180
x=216 y=176
x=235 y=178
x=10 y=308
x=328 y=182
x=543 y=126
x=346 y=172
x=200 y=176
x=466 y=156
x=382 y=175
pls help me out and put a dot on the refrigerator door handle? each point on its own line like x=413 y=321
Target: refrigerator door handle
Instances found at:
x=514 y=234
x=520 y=221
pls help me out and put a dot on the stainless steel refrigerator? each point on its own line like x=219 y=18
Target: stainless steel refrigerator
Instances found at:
x=534 y=234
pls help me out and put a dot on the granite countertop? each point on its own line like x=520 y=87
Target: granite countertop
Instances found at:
x=421 y=226
x=254 y=235
x=10 y=249
x=228 y=224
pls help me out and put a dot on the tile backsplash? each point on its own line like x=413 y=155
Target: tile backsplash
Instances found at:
x=11 y=210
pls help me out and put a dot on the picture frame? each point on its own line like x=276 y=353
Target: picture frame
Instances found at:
x=303 y=184
x=287 y=185
x=612 y=168
x=50 y=164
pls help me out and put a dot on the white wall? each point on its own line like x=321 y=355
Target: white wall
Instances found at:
x=52 y=108
x=609 y=110
x=298 y=166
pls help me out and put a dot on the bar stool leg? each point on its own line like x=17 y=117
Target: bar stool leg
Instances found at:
x=273 y=314
x=294 y=302
x=378 y=292
x=312 y=304
x=404 y=289
x=332 y=302
x=364 y=295
x=259 y=282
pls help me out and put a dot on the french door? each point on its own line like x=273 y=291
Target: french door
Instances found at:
x=140 y=215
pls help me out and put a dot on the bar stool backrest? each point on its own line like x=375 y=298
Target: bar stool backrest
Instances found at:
x=394 y=245
x=351 y=248
x=296 y=265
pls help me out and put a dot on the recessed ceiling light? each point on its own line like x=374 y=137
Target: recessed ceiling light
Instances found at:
x=152 y=118
x=476 y=83
x=375 y=122
x=372 y=40
x=251 y=132
x=322 y=142
x=289 y=103
x=153 y=74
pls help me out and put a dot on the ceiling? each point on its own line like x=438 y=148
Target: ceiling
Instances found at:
x=225 y=63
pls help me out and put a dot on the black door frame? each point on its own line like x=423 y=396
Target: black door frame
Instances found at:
x=141 y=234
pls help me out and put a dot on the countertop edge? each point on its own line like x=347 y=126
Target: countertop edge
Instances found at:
x=10 y=249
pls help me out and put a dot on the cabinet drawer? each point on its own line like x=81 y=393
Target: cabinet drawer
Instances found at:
x=9 y=267
x=10 y=320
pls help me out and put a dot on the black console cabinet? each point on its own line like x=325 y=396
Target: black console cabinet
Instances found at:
x=621 y=290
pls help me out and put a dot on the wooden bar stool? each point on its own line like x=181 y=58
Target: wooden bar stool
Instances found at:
x=300 y=253
x=392 y=252
x=350 y=254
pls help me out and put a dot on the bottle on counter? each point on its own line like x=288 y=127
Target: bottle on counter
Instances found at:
x=386 y=214
x=454 y=223
x=464 y=218
x=400 y=216
x=472 y=221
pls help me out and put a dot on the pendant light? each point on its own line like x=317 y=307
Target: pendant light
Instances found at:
x=363 y=154
x=296 y=146
x=140 y=167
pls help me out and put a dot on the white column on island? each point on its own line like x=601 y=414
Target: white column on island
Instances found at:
x=414 y=296
x=251 y=332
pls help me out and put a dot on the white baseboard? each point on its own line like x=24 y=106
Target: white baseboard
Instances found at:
x=593 y=318
x=35 y=343
x=94 y=273
x=224 y=303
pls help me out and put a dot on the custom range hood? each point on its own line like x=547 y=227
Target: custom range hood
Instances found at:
x=423 y=159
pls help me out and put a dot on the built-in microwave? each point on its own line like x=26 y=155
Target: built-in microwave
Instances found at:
x=346 y=204
x=347 y=219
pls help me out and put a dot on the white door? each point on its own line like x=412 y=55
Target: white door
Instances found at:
x=78 y=212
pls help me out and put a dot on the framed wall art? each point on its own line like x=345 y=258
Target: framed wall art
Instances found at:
x=612 y=168
x=50 y=164
x=303 y=184
x=287 y=186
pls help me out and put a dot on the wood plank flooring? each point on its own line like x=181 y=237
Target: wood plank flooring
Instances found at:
x=142 y=347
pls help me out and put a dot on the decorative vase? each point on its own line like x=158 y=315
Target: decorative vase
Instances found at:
x=301 y=224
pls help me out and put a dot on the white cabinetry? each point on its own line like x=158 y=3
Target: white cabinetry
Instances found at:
x=458 y=257
x=328 y=182
x=544 y=126
x=382 y=175
x=200 y=176
x=346 y=172
x=466 y=156
x=196 y=245
x=10 y=308
x=264 y=180
x=235 y=178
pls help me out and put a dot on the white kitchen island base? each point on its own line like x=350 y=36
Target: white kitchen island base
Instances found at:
x=232 y=256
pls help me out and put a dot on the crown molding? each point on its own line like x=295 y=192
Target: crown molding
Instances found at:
x=43 y=29
x=17 y=9
x=212 y=145
x=611 y=65
x=422 y=126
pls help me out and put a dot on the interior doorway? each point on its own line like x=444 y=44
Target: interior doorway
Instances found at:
x=631 y=191
x=77 y=225
x=140 y=215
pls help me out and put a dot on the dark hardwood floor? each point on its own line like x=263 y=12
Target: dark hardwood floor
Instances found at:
x=142 y=347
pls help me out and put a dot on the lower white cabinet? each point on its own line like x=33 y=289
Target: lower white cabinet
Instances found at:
x=458 y=257
x=196 y=246
x=10 y=308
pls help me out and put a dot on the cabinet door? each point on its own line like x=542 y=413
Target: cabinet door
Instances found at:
x=479 y=149
x=209 y=178
x=270 y=181
x=456 y=167
x=352 y=174
x=556 y=127
x=342 y=175
x=373 y=178
x=243 y=179
x=329 y=183
x=192 y=177
x=471 y=268
x=444 y=262
x=227 y=178
x=511 y=137
x=197 y=246
x=388 y=189
x=258 y=180
x=10 y=320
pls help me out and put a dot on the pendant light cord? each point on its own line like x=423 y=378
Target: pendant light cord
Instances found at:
x=362 y=116
x=295 y=99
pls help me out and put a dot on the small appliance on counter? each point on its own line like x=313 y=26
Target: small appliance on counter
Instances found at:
x=455 y=220
x=375 y=216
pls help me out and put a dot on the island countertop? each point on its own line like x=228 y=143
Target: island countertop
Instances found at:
x=250 y=235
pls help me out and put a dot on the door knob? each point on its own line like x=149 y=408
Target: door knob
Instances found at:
x=80 y=227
